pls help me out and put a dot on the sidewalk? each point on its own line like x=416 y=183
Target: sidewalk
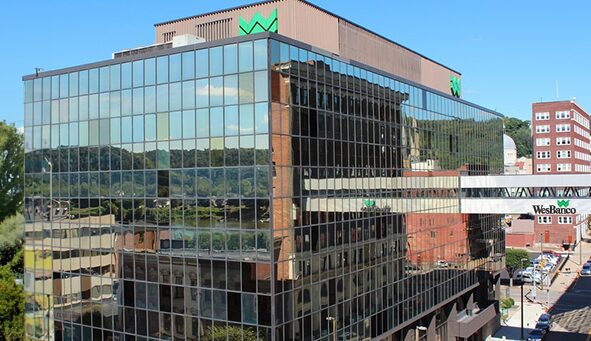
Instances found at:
x=532 y=310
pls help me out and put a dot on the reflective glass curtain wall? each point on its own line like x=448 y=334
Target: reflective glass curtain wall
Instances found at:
x=188 y=194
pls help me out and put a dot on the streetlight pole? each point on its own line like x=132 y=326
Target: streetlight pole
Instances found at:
x=418 y=330
x=50 y=189
x=581 y=244
x=334 y=327
x=541 y=253
x=521 y=262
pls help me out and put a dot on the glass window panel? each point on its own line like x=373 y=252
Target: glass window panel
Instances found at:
x=215 y=61
x=64 y=111
x=231 y=154
x=175 y=68
x=115 y=105
x=64 y=135
x=202 y=123
x=115 y=130
x=126 y=76
x=93 y=106
x=216 y=91
x=150 y=127
x=188 y=94
x=83 y=134
x=104 y=132
x=93 y=132
x=126 y=123
x=162 y=69
x=188 y=124
x=175 y=96
x=163 y=155
x=246 y=87
x=104 y=82
x=138 y=73
x=175 y=125
x=217 y=160
x=74 y=134
x=83 y=108
x=38 y=87
x=43 y=138
x=73 y=84
x=55 y=87
x=93 y=81
x=126 y=102
x=245 y=53
x=162 y=126
x=216 y=121
x=150 y=99
x=261 y=90
x=262 y=117
x=247 y=155
x=47 y=85
x=104 y=104
x=115 y=77
x=231 y=120
x=138 y=128
x=231 y=89
x=260 y=54
x=150 y=71
x=202 y=155
x=202 y=63
x=262 y=149
x=55 y=111
x=162 y=98
x=138 y=101
x=73 y=108
x=230 y=58
x=246 y=119
x=202 y=92
x=188 y=65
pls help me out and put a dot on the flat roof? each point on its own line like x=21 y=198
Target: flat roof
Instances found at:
x=317 y=7
x=262 y=35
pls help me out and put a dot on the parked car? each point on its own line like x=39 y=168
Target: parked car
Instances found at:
x=536 y=335
x=586 y=270
x=544 y=322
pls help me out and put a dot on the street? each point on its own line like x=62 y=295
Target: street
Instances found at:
x=572 y=313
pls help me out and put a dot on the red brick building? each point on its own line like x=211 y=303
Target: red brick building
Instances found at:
x=561 y=145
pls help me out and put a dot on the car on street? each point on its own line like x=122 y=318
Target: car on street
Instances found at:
x=544 y=322
x=586 y=270
x=536 y=335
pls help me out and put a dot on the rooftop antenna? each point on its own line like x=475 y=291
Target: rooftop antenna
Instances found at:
x=557 y=96
x=37 y=70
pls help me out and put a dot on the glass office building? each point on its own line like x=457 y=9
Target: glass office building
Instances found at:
x=252 y=188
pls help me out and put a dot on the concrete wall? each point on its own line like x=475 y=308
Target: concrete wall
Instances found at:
x=309 y=24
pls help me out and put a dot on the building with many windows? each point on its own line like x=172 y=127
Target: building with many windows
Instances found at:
x=248 y=176
x=561 y=145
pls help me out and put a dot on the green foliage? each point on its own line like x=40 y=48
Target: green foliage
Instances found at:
x=233 y=333
x=513 y=259
x=12 y=305
x=11 y=170
x=520 y=132
x=507 y=303
x=11 y=238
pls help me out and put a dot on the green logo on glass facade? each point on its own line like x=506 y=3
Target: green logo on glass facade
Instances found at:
x=369 y=203
x=258 y=24
x=455 y=84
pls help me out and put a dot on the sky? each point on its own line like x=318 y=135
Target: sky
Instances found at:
x=510 y=53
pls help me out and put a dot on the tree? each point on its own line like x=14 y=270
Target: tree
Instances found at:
x=12 y=305
x=513 y=261
x=11 y=240
x=520 y=132
x=11 y=170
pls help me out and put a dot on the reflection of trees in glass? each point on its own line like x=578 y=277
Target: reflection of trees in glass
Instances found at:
x=231 y=333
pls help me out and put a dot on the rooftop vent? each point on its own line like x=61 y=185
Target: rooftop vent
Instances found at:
x=141 y=50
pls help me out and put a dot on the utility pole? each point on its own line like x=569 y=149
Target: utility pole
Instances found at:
x=541 y=253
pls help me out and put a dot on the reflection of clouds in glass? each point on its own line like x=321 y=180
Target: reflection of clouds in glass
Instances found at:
x=215 y=91
x=232 y=128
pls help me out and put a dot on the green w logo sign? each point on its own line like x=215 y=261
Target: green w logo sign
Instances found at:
x=455 y=85
x=258 y=24
x=563 y=203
